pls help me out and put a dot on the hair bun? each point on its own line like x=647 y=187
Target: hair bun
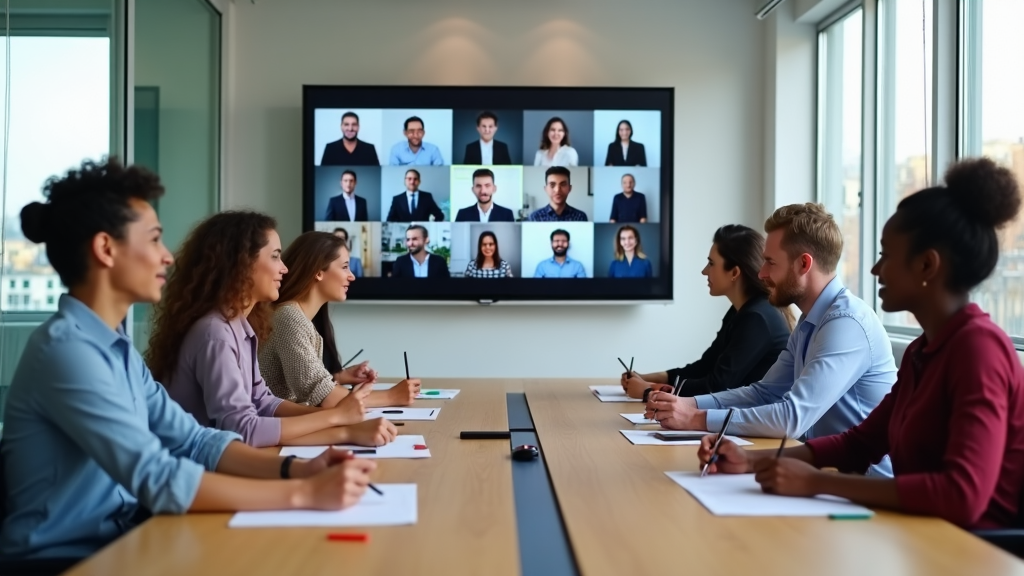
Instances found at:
x=35 y=221
x=984 y=191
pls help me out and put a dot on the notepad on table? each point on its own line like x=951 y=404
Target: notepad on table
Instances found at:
x=612 y=394
x=646 y=438
x=404 y=446
x=741 y=495
x=398 y=413
x=638 y=419
x=397 y=507
x=425 y=393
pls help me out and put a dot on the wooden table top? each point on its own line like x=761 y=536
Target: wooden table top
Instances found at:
x=624 y=516
x=466 y=523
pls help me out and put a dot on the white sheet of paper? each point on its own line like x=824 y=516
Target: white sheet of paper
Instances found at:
x=612 y=394
x=442 y=393
x=404 y=446
x=397 y=507
x=646 y=438
x=740 y=495
x=399 y=414
x=638 y=418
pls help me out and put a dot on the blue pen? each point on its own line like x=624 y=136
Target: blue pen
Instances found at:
x=850 y=516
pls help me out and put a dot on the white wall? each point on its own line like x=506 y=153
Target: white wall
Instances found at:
x=711 y=52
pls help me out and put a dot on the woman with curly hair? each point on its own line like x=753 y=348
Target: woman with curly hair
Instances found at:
x=92 y=444
x=300 y=359
x=203 y=346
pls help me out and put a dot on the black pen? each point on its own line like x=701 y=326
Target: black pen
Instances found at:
x=718 y=442
x=375 y=489
x=406 y=355
x=781 y=447
x=345 y=365
x=624 y=367
x=630 y=371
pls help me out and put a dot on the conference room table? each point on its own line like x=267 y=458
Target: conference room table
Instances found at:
x=592 y=504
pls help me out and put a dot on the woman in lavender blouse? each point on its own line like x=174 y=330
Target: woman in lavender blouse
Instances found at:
x=207 y=327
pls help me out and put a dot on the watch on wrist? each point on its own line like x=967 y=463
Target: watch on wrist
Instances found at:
x=286 y=465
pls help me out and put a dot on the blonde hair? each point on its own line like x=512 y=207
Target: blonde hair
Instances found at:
x=620 y=254
x=808 y=228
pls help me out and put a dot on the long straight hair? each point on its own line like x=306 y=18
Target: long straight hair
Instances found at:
x=307 y=255
x=744 y=247
x=620 y=254
x=480 y=253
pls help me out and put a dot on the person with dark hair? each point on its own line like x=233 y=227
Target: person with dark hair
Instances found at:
x=488 y=262
x=414 y=205
x=630 y=260
x=92 y=444
x=753 y=332
x=837 y=365
x=349 y=150
x=485 y=210
x=486 y=151
x=207 y=330
x=555 y=147
x=623 y=151
x=347 y=207
x=414 y=151
x=557 y=185
x=293 y=359
x=418 y=262
x=355 y=264
x=560 y=265
x=629 y=206
x=953 y=424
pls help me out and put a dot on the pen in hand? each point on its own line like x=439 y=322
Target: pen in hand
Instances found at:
x=782 y=446
x=350 y=360
x=406 y=356
x=629 y=372
x=718 y=442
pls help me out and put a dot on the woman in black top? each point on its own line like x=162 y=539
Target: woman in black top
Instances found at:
x=753 y=332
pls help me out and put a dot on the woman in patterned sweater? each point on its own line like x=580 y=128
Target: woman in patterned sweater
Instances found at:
x=488 y=263
x=292 y=359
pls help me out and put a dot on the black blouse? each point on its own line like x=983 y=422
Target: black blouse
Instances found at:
x=746 y=346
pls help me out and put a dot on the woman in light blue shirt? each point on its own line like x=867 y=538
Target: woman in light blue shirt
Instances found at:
x=92 y=444
x=630 y=260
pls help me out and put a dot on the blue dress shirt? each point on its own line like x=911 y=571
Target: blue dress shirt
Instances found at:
x=89 y=437
x=836 y=368
x=355 y=264
x=420 y=270
x=551 y=269
x=427 y=155
x=638 y=268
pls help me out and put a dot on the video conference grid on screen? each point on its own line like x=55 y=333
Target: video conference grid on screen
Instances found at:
x=437 y=193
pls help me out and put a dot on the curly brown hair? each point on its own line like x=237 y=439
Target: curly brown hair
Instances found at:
x=212 y=271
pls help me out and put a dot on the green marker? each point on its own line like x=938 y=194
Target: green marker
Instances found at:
x=849 y=516
x=432 y=393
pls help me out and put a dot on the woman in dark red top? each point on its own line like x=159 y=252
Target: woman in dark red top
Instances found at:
x=953 y=424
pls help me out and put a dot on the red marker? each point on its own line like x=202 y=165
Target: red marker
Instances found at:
x=359 y=537
x=419 y=447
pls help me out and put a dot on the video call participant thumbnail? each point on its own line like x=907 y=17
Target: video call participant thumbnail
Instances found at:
x=355 y=263
x=349 y=150
x=557 y=185
x=488 y=262
x=347 y=207
x=487 y=150
x=629 y=206
x=419 y=263
x=623 y=151
x=485 y=210
x=555 y=147
x=560 y=265
x=414 y=151
x=414 y=205
x=630 y=260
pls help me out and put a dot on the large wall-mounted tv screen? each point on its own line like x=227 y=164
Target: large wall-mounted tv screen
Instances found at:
x=494 y=194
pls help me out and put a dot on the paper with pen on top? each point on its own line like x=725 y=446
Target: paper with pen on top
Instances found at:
x=741 y=495
x=646 y=438
x=638 y=419
x=397 y=507
x=426 y=393
x=612 y=394
x=399 y=413
x=404 y=446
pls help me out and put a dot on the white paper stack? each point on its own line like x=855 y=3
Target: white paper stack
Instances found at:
x=403 y=447
x=612 y=394
x=397 y=507
x=646 y=438
x=741 y=495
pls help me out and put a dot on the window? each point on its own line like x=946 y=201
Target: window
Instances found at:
x=49 y=300
x=14 y=283
x=839 y=135
x=25 y=284
x=904 y=147
x=49 y=283
x=26 y=300
x=992 y=124
x=43 y=141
